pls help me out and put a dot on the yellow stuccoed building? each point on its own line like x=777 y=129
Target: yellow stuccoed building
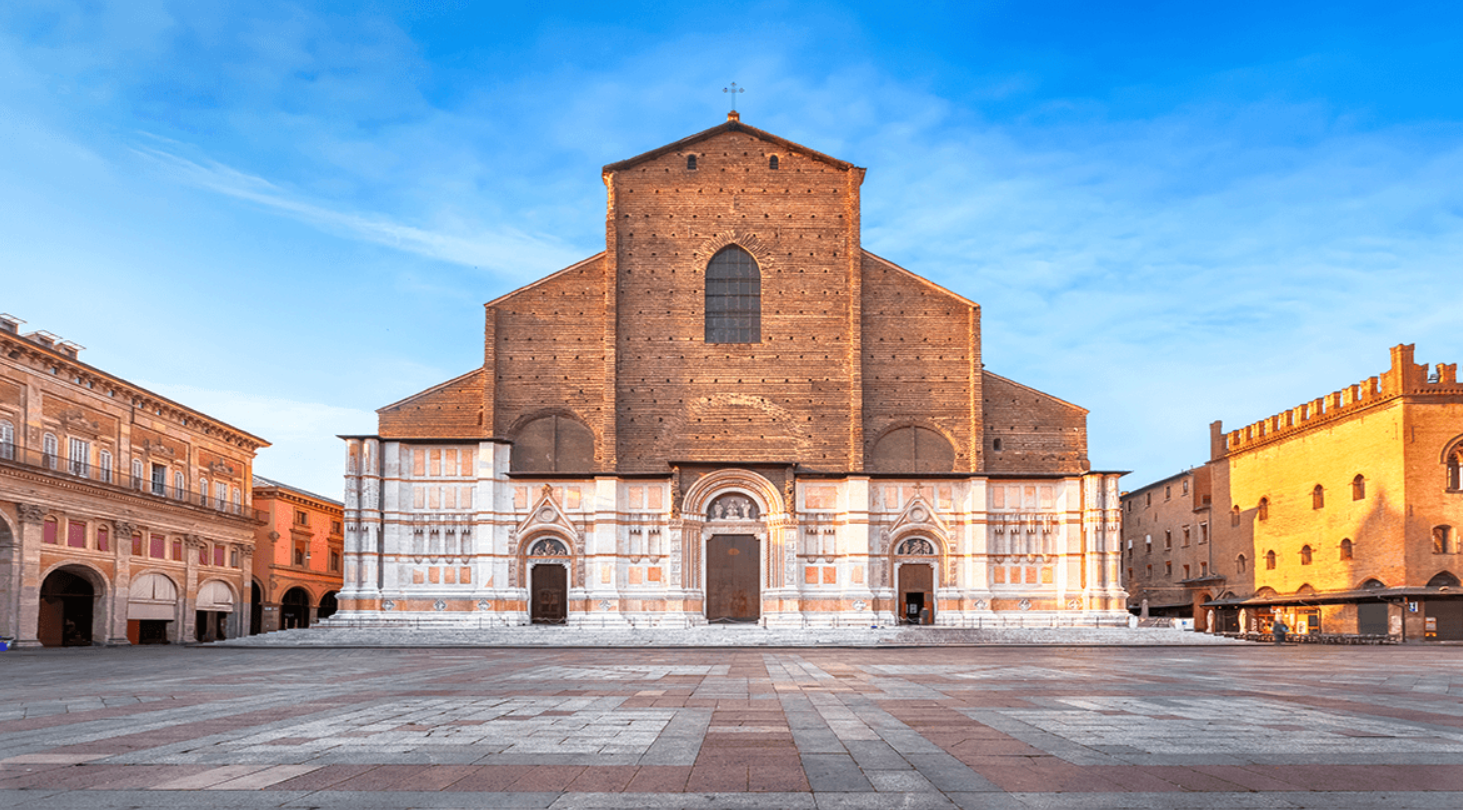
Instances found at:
x=1341 y=515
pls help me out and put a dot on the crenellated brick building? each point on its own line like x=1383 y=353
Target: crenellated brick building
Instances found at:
x=124 y=516
x=737 y=413
x=1341 y=515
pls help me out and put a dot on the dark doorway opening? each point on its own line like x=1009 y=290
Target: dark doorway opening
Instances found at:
x=916 y=594
x=256 y=610
x=1371 y=618
x=733 y=582
x=549 y=594
x=67 y=602
x=1444 y=619
x=210 y=625
x=1226 y=620
x=294 y=609
x=152 y=631
x=327 y=607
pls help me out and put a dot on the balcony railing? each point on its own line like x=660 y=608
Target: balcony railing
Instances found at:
x=76 y=468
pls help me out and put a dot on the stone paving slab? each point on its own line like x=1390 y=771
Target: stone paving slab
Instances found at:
x=867 y=727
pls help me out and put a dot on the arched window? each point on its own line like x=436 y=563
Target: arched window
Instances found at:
x=913 y=449
x=553 y=444
x=1269 y=561
x=48 y=450
x=1358 y=487
x=1455 y=468
x=691 y=162
x=1443 y=579
x=137 y=473
x=1318 y=497
x=203 y=491
x=1305 y=555
x=179 y=485
x=7 y=440
x=733 y=297
x=1442 y=539
x=1234 y=516
x=1346 y=548
x=996 y=445
x=1262 y=510
x=1239 y=564
x=772 y=163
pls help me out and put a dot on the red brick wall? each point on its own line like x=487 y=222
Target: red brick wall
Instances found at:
x=1038 y=432
x=453 y=409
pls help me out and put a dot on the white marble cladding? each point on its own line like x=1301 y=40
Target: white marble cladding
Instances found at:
x=417 y=511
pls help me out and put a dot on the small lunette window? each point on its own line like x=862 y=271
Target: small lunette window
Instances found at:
x=772 y=163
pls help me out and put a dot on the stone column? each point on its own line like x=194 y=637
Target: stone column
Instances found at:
x=189 y=598
x=246 y=593
x=28 y=569
x=121 y=581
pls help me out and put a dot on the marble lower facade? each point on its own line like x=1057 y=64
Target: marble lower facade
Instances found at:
x=447 y=535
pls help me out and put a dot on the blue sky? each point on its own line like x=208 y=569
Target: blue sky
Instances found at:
x=290 y=214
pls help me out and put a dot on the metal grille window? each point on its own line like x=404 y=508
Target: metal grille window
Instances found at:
x=733 y=298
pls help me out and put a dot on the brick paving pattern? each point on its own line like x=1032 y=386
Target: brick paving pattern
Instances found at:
x=987 y=727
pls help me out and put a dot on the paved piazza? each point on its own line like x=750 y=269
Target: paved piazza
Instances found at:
x=970 y=727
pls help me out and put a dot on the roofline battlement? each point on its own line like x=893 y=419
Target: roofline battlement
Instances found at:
x=1404 y=378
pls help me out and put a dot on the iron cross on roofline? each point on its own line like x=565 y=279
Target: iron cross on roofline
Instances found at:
x=733 y=89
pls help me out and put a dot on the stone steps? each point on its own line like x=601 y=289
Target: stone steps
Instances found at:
x=721 y=636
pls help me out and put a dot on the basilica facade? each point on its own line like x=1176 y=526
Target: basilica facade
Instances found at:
x=734 y=413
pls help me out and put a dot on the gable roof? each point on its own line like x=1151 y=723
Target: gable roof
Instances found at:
x=434 y=389
x=732 y=124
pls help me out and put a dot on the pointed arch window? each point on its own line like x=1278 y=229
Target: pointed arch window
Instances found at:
x=1345 y=548
x=1269 y=561
x=1455 y=468
x=733 y=297
x=1358 y=487
x=1262 y=510
x=1305 y=555
x=1318 y=497
x=1234 y=516
x=1239 y=564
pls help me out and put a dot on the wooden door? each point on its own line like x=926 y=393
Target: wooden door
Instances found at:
x=549 y=594
x=733 y=578
x=917 y=591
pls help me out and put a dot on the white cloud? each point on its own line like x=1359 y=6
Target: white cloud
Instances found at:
x=505 y=251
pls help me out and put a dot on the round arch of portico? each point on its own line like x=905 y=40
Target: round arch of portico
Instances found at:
x=101 y=607
x=960 y=451
x=8 y=534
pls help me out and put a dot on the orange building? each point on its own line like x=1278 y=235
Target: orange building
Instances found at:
x=297 y=562
x=1341 y=515
x=125 y=517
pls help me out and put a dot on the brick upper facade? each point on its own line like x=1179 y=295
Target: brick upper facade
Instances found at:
x=851 y=345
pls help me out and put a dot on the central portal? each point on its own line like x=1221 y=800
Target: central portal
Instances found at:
x=733 y=587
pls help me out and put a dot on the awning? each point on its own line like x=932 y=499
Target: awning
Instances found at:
x=152 y=597
x=1339 y=597
x=216 y=597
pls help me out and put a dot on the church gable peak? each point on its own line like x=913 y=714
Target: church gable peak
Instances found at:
x=732 y=125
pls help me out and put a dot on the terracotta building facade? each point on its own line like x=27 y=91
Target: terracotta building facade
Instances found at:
x=298 y=558
x=1168 y=548
x=124 y=517
x=1341 y=515
x=734 y=413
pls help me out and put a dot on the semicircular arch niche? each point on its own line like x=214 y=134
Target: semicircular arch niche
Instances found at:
x=552 y=443
x=912 y=449
x=916 y=547
x=548 y=547
x=733 y=506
